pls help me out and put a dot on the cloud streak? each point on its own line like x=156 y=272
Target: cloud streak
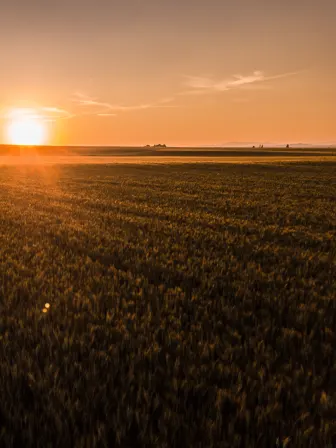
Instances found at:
x=49 y=114
x=55 y=113
x=104 y=109
x=201 y=85
x=86 y=105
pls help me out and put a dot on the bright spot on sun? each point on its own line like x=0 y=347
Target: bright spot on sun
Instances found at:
x=26 y=127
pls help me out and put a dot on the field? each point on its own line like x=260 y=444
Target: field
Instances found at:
x=191 y=305
x=135 y=155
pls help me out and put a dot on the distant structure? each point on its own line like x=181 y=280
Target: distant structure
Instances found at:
x=156 y=146
x=287 y=146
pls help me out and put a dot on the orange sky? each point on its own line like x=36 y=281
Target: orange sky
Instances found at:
x=190 y=72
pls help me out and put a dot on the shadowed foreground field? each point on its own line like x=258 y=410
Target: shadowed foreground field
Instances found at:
x=190 y=305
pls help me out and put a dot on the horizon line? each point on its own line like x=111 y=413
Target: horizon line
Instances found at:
x=167 y=146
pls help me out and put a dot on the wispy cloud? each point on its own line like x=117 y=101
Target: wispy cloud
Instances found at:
x=87 y=101
x=104 y=109
x=200 y=85
x=44 y=113
x=55 y=113
x=83 y=105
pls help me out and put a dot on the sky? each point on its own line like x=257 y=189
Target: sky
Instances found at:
x=187 y=72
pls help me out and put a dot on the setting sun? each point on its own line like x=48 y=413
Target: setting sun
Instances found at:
x=26 y=127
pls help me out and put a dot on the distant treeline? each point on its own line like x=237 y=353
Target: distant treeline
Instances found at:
x=156 y=146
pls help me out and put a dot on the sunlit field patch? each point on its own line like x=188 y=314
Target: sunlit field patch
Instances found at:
x=172 y=305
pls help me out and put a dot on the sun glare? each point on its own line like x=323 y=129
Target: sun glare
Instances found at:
x=26 y=127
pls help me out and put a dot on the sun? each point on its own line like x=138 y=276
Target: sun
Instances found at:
x=26 y=127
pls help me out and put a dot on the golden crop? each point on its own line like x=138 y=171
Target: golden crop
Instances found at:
x=144 y=306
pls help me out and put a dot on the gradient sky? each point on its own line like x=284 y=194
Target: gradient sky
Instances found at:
x=187 y=72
